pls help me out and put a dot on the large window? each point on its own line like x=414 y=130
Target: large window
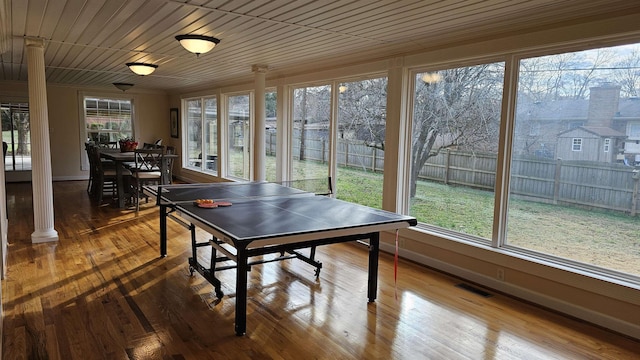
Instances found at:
x=16 y=133
x=577 y=206
x=362 y=115
x=108 y=120
x=456 y=117
x=310 y=143
x=271 y=136
x=193 y=116
x=239 y=136
x=567 y=201
x=202 y=134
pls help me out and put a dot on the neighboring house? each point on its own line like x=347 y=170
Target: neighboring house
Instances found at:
x=545 y=126
x=589 y=143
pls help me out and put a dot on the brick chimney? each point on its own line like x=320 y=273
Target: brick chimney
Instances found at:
x=603 y=104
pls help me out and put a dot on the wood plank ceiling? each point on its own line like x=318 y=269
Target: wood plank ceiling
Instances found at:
x=88 y=42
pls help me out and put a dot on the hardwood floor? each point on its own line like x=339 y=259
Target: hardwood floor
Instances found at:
x=102 y=292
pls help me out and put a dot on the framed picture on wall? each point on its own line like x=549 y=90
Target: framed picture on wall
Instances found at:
x=173 y=119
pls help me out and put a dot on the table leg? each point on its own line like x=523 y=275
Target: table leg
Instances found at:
x=374 y=251
x=241 y=291
x=120 y=184
x=163 y=230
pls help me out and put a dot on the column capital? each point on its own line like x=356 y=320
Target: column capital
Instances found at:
x=260 y=68
x=34 y=41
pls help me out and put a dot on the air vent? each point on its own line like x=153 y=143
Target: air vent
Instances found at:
x=474 y=290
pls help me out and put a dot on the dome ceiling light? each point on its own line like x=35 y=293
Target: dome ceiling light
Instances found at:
x=142 y=68
x=123 y=86
x=197 y=44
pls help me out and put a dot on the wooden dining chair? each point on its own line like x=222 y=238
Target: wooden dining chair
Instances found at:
x=103 y=178
x=147 y=170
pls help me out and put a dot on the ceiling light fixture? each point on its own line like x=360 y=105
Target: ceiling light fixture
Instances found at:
x=123 y=86
x=142 y=68
x=431 y=78
x=197 y=44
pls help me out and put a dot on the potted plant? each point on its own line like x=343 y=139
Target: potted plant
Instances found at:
x=128 y=144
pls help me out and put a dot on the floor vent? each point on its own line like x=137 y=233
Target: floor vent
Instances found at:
x=474 y=290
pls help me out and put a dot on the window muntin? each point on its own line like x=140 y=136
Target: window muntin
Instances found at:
x=576 y=209
x=607 y=145
x=455 y=125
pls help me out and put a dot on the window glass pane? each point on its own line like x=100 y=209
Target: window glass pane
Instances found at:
x=578 y=203
x=17 y=135
x=210 y=153
x=310 y=143
x=194 y=133
x=271 y=98
x=456 y=119
x=238 y=158
x=108 y=120
x=362 y=116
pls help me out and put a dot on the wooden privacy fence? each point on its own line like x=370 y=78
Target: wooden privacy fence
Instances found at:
x=590 y=184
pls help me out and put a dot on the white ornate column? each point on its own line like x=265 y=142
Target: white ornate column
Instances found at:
x=40 y=148
x=259 y=156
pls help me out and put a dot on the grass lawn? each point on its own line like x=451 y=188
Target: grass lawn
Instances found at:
x=603 y=238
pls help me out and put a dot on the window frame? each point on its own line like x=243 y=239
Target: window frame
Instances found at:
x=84 y=160
x=223 y=134
x=184 y=130
x=576 y=144
x=503 y=172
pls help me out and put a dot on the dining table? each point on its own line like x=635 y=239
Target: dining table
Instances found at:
x=122 y=159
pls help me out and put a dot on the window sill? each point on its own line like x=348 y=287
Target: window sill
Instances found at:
x=567 y=272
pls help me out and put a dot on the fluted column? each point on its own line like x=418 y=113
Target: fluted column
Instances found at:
x=259 y=157
x=40 y=149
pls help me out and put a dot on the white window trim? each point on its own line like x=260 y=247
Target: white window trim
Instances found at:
x=607 y=145
x=576 y=144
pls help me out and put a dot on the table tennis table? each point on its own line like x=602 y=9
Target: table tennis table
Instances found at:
x=268 y=218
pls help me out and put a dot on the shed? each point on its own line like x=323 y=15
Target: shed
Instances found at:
x=590 y=143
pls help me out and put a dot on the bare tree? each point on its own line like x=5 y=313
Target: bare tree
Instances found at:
x=311 y=113
x=363 y=112
x=461 y=110
x=627 y=73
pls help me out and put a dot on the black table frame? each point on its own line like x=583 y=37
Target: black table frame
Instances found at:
x=244 y=253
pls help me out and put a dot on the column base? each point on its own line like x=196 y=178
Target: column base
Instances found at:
x=43 y=236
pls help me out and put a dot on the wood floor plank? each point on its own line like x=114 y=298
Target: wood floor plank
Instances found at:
x=103 y=292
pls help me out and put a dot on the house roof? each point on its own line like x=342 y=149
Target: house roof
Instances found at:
x=89 y=42
x=600 y=131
